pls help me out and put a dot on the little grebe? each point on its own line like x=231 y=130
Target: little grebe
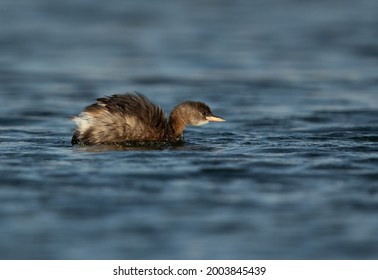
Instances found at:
x=133 y=118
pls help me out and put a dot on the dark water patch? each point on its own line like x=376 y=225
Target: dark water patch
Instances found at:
x=365 y=138
x=272 y=164
x=223 y=80
x=225 y=172
x=341 y=166
x=12 y=121
x=41 y=114
x=369 y=51
x=368 y=160
x=315 y=153
x=153 y=80
x=278 y=150
x=338 y=131
x=315 y=119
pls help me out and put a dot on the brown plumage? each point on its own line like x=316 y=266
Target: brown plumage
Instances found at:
x=126 y=118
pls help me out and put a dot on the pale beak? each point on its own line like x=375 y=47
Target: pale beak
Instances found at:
x=214 y=119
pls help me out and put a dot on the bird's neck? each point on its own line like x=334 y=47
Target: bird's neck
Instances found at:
x=177 y=125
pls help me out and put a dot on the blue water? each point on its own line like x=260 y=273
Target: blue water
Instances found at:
x=291 y=174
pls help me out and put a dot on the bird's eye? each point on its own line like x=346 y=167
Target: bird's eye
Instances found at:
x=204 y=113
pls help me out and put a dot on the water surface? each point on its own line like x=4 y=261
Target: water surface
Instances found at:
x=292 y=174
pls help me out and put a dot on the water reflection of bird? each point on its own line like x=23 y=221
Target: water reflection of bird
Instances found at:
x=133 y=118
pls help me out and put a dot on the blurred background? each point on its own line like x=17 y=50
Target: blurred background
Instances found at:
x=291 y=174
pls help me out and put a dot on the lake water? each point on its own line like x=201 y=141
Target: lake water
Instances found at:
x=291 y=174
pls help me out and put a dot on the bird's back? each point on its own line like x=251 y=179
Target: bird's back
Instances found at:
x=118 y=119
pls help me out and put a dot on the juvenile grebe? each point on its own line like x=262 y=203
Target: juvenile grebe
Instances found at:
x=133 y=118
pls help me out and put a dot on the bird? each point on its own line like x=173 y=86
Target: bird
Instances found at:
x=133 y=118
